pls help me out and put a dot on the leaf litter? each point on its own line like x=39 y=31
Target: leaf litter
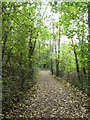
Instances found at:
x=51 y=98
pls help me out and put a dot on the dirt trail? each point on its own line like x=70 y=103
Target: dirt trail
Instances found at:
x=52 y=98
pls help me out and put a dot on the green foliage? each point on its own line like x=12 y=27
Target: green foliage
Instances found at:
x=67 y=58
x=73 y=55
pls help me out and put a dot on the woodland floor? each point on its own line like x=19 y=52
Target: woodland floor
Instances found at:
x=51 y=98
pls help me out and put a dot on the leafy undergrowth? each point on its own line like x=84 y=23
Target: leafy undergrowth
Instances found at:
x=15 y=84
x=50 y=98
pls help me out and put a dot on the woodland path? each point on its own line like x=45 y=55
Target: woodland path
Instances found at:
x=51 y=99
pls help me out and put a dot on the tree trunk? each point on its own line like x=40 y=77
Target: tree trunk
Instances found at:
x=51 y=47
x=4 y=44
x=77 y=65
x=39 y=50
x=76 y=60
x=56 y=58
x=51 y=60
x=9 y=56
x=31 y=51
x=58 y=55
